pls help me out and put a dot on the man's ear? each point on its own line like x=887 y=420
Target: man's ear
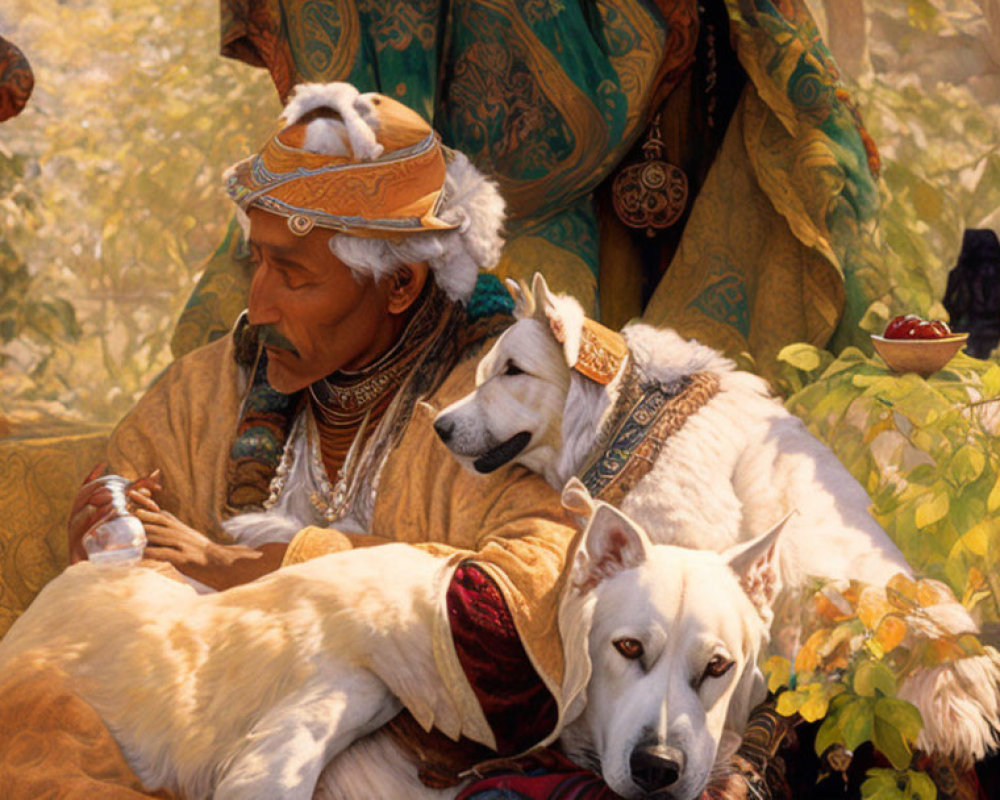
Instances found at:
x=405 y=286
x=610 y=544
x=756 y=565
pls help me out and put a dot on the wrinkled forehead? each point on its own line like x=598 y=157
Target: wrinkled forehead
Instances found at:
x=531 y=345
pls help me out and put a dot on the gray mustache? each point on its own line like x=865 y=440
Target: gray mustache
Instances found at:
x=267 y=335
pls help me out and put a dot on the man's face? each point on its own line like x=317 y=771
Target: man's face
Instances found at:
x=315 y=316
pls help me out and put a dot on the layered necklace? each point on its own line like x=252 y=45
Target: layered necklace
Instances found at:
x=348 y=406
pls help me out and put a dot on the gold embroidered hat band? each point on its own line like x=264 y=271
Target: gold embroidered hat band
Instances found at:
x=360 y=163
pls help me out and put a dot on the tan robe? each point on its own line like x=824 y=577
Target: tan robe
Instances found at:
x=510 y=522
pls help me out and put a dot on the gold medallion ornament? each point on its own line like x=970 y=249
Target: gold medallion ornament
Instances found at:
x=300 y=224
x=653 y=193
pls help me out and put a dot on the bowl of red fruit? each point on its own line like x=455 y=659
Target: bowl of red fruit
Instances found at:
x=913 y=344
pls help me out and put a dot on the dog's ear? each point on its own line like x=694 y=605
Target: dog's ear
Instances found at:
x=756 y=565
x=576 y=498
x=524 y=301
x=563 y=315
x=611 y=543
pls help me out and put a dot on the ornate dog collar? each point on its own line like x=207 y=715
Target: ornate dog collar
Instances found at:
x=644 y=416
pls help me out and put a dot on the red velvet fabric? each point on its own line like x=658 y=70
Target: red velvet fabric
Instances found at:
x=545 y=776
x=518 y=707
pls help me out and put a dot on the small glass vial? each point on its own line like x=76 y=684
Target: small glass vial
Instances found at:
x=119 y=538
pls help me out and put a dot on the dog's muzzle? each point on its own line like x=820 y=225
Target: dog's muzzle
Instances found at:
x=496 y=457
x=655 y=767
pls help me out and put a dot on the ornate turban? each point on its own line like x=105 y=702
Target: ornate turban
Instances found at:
x=367 y=166
x=387 y=177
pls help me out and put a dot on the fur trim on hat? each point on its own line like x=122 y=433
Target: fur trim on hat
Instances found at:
x=455 y=257
x=324 y=135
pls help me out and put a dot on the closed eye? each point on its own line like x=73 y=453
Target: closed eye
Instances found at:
x=512 y=369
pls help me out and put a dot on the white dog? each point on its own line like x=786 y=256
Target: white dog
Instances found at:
x=249 y=693
x=673 y=639
x=563 y=396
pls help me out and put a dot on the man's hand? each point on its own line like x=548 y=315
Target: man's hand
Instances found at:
x=93 y=503
x=216 y=565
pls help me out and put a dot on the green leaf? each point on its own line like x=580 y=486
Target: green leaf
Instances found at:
x=805 y=357
x=993 y=501
x=884 y=784
x=874 y=676
x=856 y=722
x=924 y=474
x=967 y=464
x=932 y=510
x=921 y=786
x=896 y=725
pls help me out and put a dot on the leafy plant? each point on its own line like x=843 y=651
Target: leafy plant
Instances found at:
x=112 y=194
x=923 y=449
x=861 y=642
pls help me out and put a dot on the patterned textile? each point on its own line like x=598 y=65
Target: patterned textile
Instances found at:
x=515 y=701
x=16 y=80
x=56 y=746
x=397 y=192
x=799 y=166
x=40 y=475
x=544 y=98
x=643 y=418
x=780 y=245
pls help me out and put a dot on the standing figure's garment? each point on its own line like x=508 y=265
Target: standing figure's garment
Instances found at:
x=778 y=242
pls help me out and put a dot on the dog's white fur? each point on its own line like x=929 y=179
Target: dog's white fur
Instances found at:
x=738 y=463
x=685 y=607
x=250 y=692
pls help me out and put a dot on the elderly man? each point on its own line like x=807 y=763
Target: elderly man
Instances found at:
x=306 y=431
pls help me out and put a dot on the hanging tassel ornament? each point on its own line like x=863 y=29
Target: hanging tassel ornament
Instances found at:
x=653 y=193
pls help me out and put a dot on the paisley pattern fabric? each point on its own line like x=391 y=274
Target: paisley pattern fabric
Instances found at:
x=781 y=243
x=546 y=97
x=797 y=256
x=40 y=476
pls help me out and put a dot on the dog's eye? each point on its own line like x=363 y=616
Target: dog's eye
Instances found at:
x=629 y=648
x=512 y=369
x=717 y=666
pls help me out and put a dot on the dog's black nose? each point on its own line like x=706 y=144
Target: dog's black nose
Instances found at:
x=655 y=766
x=444 y=428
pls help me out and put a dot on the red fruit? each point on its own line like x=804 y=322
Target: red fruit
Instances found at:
x=925 y=330
x=902 y=327
x=941 y=328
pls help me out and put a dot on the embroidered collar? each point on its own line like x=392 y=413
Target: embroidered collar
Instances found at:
x=643 y=417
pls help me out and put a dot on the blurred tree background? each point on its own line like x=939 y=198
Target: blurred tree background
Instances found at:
x=111 y=198
x=110 y=193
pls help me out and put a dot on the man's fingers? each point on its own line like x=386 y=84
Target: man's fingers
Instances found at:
x=153 y=516
x=142 y=500
x=161 y=534
x=98 y=496
x=167 y=554
x=150 y=482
